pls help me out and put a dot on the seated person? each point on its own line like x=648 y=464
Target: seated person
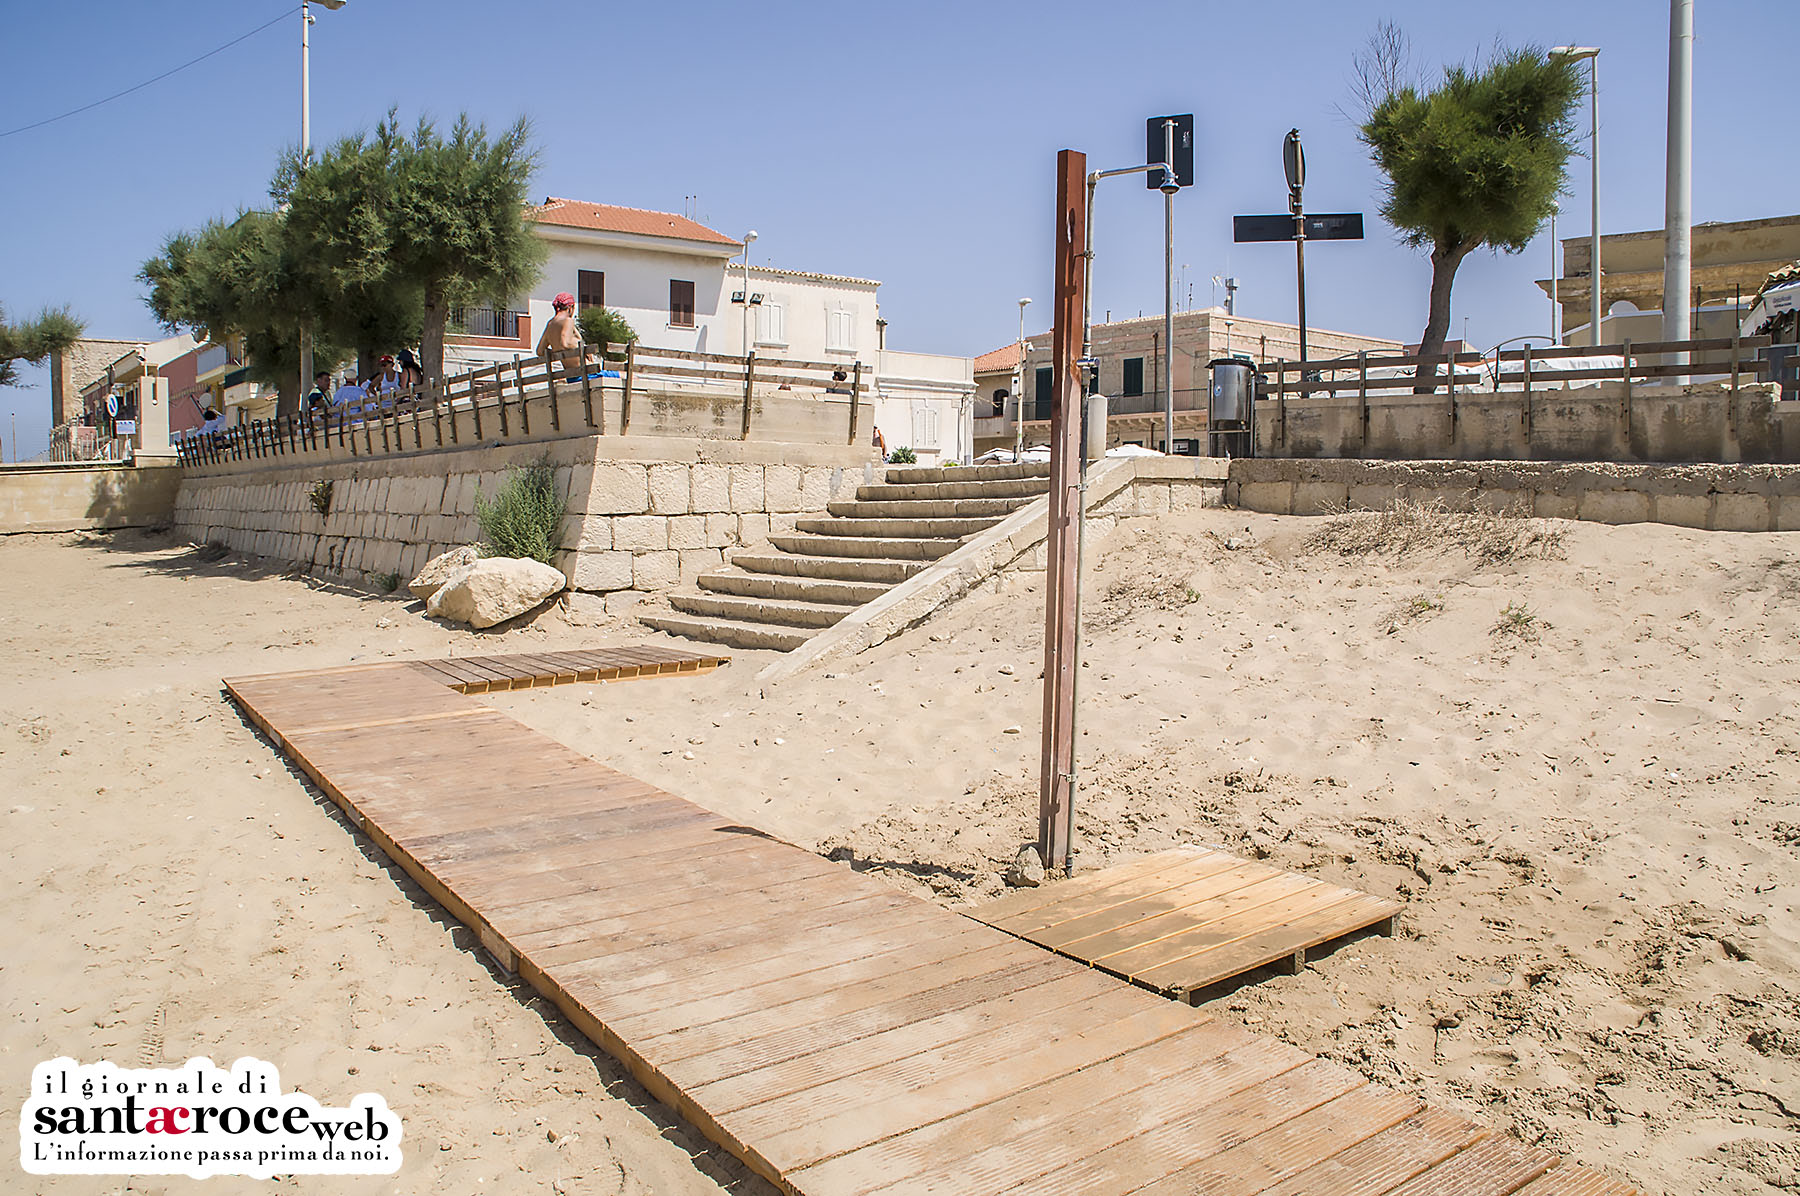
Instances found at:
x=348 y=399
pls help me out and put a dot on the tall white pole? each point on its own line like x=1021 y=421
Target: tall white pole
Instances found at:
x=306 y=352
x=1594 y=157
x=1678 y=204
x=1019 y=389
x=1555 y=311
x=749 y=240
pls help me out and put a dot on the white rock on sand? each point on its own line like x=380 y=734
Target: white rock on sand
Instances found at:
x=493 y=590
x=438 y=569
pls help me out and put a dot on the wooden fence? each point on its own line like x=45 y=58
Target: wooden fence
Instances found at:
x=501 y=401
x=1365 y=374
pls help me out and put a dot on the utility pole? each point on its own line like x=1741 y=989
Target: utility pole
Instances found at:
x=1057 y=781
x=1169 y=188
x=1678 y=219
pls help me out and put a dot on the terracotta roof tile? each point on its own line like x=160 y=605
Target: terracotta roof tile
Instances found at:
x=1005 y=357
x=575 y=213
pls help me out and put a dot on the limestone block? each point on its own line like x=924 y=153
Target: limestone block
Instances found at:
x=1193 y=496
x=696 y=561
x=747 y=493
x=687 y=531
x=641 y=533
x=669 y=490
x=586 y=533
x=599 y=571
x=1614 y=506
x=621 y=601
x=493 y=590
x=1740 y=513
x=1546 y=505
x=782 y=525
x=439 y=568
x=1316 y=498
x=721 y=531
x=1273 y=498
x=1681 y=510
x=655 y=570
x=619 y=488
x=386 y=559
x=1787 y=513
x=583 y=610
x=815 y=486
x=753 y=529
x=1151 y=498
x=781 y=488
x=710 y=487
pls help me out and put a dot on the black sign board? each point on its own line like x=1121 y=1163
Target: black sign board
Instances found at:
x=1334 y=226
x=1184 y=149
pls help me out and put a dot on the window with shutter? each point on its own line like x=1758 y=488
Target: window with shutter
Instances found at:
x=1134 y=376
x=771 y=323
x=681 y=303
x=840 y=328
x=590 y=289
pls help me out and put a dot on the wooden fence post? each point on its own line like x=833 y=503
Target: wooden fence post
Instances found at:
x=587 y=387
x=553 y=367
x=855 y=404
x=749 y=383
x=630 y=380
x=475 y=398
x=1362 y=394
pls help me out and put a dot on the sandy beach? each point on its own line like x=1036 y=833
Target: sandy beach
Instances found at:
x=1576 y=768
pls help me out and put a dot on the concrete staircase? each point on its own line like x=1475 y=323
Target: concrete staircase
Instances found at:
x=826 y=568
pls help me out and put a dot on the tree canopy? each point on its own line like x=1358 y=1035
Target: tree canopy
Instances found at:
x=1477 y=160
x=602 y=326
x=50 y=331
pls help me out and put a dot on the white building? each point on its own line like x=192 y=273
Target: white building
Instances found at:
x=675 y=282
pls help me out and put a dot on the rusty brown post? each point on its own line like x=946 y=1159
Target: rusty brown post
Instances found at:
x=749 y=384
x=630 y=380
x=1056 y=781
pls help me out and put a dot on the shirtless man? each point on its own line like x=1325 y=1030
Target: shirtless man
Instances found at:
x=561 y=341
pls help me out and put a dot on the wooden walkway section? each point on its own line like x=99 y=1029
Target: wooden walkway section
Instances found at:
x=840 y=1037
x=1182 y=921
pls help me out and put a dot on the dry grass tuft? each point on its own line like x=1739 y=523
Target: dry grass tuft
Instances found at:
x=1407 y=527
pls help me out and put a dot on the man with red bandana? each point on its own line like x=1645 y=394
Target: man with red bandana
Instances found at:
x=561 y=341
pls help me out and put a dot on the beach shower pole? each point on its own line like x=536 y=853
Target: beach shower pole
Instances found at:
x=1057 y=778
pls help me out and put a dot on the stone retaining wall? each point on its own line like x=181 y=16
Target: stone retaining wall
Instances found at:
x=644 y=514
x=65 y=497
x=1743 y=498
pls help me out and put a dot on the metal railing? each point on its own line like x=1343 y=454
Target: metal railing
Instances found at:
x=485 y=321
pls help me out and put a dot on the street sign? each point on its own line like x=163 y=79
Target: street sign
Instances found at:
x=1332 y=226
x=112 y=405
x=1184 y=150
x=1293 y=160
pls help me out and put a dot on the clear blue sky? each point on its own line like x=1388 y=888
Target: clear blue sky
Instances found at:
x=912 y=143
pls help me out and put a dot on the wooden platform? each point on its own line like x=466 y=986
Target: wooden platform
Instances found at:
x=839 y=1036
x=1183 y=921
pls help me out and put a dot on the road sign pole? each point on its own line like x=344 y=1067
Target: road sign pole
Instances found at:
x=1168 y=286
x=1300 y=273
x=1293 y=164
x=1056 y=782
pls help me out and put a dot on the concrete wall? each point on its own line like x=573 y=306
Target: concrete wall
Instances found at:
x=65 y=497
x=644 y=513
x=1745 y=498
x=1580 y=423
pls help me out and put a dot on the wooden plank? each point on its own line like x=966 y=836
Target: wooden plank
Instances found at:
x=1101 y=899
x=843 y=1115
x=1149 y=918
x=1004 y=912
x=1269 y=944
x=1494 y=1166
x=1291 y=1147
x=1236 y=916
x=1002 y=1146
x=1566 y=1179
x=1385 y=1161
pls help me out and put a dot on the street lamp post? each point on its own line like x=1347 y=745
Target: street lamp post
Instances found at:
x=1555 y=311
x=1019 y=389
x=1592 y=54
x=306 y=20
x=749 y=239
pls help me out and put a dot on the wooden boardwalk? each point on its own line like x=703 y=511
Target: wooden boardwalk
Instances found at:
x=1182 y=921
x=838 y=1036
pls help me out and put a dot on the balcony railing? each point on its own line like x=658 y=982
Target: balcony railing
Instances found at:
x=486 y=321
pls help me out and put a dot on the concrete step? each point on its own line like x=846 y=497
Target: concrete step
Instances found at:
x=925 y=508
x=793 y=589
x=842 y=568
x=910 y=475
x=866 y=546
x=900 y=529
x=728 y=631
x=760 y=610
x=939 y=491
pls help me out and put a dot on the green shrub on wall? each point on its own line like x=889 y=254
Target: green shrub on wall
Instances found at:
x=525 y=518
x=903 y=456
